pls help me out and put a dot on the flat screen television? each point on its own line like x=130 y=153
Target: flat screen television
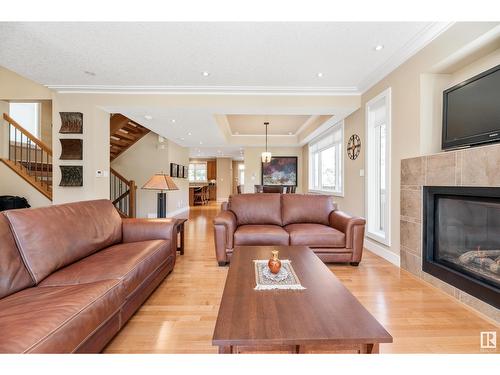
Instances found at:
x=471 y=111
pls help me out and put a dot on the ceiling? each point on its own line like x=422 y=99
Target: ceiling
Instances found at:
x=254 y=124
x=285 y=58
x=251 y=56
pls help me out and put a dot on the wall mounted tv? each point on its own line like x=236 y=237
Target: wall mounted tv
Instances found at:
x=471 y=111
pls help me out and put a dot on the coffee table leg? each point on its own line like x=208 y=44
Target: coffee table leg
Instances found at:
x=226 y=349
x=369 y=349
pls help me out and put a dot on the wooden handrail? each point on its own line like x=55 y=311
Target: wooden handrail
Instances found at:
x=33 y=139
x=119 y=176
x=121 y=197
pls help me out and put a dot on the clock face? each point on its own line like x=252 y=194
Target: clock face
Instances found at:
x=354 y=147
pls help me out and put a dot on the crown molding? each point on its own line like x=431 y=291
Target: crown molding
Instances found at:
x=204 y=90
x=419 y=41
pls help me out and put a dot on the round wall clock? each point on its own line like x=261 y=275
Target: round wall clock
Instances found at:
x=354 y=147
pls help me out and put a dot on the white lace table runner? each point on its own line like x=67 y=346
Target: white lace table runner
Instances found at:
x=289 y=279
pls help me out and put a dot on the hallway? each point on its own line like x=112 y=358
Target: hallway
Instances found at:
x=180 y=315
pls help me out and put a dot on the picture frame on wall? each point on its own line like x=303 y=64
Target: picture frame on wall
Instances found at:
x=174 y=169
x=281 y=170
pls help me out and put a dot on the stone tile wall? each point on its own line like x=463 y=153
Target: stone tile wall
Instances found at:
x=478 y=166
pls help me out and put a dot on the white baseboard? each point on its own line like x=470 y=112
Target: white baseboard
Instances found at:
x=379 y=250
x=177 y=212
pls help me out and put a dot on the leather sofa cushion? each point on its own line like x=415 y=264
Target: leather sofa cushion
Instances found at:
x=13 y=274
x=315 y=235
x=250 y=235
x=56 y=319
x=306 y=208
x=131 y=263
x=64 y=233
x=256 y=208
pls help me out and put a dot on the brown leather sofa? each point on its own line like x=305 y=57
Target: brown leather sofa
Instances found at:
x=288 y=219
x=71 y=275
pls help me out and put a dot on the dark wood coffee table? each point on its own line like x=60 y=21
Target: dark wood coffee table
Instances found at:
x=325 y=317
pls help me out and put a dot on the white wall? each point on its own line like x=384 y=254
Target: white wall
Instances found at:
x=147 y=157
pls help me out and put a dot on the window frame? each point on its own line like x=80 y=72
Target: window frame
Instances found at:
x=194 y=172
x=339 y=126
x=378 y=236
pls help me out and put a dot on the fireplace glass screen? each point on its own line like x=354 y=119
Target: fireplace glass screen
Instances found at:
x=467 y=236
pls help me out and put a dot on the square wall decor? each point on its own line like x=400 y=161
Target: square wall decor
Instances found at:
x=71 y=122
x=71 y=175
x=71 y=149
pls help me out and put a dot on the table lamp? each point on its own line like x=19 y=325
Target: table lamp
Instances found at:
x=161 y=182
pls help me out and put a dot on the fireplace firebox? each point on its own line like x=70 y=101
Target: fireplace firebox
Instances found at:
x=461 y=238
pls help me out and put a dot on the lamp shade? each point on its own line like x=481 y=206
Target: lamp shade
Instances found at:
x=160 y=181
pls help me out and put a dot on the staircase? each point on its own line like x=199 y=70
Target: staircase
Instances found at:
x=123 y=133
x=29 y=157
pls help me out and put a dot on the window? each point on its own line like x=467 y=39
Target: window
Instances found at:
x=378 y=126
x=197 y=172
x=241 y=174
x=27 y=115
x=326 y=161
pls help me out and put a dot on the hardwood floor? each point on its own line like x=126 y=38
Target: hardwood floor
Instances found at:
x=180 y=315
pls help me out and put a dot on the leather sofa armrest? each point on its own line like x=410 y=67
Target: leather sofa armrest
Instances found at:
x=347 y=224
x=224 y=228
x=135 y=230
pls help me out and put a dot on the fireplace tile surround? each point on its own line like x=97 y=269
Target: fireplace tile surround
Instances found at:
x=479 y=166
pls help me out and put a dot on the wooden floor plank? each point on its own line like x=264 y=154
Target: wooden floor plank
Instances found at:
x=180 y=315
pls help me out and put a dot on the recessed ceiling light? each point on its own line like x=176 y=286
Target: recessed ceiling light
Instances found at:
x=148 y=117
x=379 y=47
x=173 y=120
x=205 y=74
x=189 y=133
x=201 y=142
x=320 y=75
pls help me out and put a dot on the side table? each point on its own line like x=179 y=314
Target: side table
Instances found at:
x=180 y=233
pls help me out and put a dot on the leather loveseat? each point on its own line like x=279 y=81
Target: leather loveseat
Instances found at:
x=288 y=219
x=71 y=275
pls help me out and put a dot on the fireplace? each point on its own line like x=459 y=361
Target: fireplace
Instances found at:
x=461 y=239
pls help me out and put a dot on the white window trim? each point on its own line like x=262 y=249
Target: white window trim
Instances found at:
x=342 y=162
x=374 y=236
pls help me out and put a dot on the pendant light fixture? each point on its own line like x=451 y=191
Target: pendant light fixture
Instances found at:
x=266 y=155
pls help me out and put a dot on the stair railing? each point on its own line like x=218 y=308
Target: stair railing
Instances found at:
x=29 y=154
x=122 y=194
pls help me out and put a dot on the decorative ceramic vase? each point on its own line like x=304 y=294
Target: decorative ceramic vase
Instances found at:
x=274 y=263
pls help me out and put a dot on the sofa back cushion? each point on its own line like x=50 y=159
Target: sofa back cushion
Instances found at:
x=52 y=237
x=306 y=208
x=256 y=208
x=13 y=274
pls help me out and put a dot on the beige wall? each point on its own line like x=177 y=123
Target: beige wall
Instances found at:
x=15 y=87
x=253 y=165
x=224 y=178
x=407 y=133
x=95 y=149
x=147 y=157
x=46 y=122
x=236 y=182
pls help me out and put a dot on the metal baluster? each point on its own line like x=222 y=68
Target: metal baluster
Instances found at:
x=36 y=161
x=15 y=145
